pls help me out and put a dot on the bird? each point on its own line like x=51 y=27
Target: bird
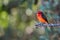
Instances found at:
x=41 y=17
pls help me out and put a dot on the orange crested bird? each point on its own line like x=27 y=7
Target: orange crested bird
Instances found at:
x=41 y=17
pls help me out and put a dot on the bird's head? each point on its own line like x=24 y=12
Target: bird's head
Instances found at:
x=39 y=13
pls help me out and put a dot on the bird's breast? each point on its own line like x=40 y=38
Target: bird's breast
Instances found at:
x=40 y=19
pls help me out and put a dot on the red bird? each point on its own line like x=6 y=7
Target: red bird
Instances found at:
x=41 y=17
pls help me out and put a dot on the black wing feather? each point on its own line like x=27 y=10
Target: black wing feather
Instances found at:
x=44 y=17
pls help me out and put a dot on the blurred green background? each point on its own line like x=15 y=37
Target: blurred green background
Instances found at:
x=18 y=18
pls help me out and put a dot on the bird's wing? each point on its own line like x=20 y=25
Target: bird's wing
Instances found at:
x=44 y=17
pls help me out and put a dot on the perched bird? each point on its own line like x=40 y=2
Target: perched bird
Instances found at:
x=41 y=17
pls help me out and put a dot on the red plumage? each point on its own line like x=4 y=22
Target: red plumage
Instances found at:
x=41 y=17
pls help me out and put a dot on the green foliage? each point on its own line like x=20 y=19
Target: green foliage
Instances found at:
x=22 y=26
x=0 y=4
x=4 y=19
